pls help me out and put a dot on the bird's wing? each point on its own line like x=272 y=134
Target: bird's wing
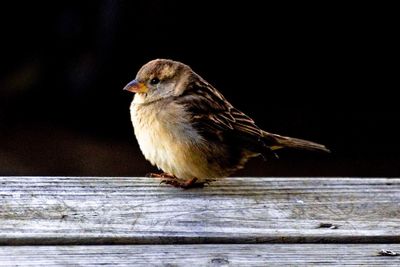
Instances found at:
x=216 y=119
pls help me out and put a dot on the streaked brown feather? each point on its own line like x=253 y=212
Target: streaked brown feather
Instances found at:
x=215 y=118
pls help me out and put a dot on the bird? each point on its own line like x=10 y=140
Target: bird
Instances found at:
x=187 y=128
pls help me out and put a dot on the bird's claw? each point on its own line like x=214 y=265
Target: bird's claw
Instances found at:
x=186 y=184
x=169 y=179
x=160 y=175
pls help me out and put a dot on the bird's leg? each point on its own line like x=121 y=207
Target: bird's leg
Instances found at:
x=189 y=183
x=166 y=178
x=161 y=175
x=186 y=184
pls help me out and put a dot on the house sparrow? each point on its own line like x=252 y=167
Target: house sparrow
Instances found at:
x=188 y=129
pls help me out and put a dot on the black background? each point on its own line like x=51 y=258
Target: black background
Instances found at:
x=320 y=72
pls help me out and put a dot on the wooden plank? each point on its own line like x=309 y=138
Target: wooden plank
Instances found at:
x=122 y=210
x=200 y=255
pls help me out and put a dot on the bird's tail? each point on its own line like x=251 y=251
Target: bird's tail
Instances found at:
x=276 y=141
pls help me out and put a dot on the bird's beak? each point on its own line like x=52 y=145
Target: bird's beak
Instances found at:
x=136 y=87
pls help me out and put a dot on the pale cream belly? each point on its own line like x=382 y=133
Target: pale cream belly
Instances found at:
x=174 y=147
x=174 y=156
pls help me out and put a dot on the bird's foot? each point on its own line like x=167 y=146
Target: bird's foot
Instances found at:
x=161 y=175
x=186 y=184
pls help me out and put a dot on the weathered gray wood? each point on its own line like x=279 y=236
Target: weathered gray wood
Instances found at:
x=85 y=210
x=200 y=255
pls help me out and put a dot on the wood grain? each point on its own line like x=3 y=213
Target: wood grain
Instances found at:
x=121 y=210
x=200 y=255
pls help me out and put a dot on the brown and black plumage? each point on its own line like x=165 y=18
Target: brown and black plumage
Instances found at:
x=188 y=129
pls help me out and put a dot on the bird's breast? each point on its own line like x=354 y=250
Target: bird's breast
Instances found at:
x=165 y=135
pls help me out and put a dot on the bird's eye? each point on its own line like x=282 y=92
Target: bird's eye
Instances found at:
x=154 y=81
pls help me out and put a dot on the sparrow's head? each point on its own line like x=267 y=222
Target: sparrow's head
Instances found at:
x=160 y=78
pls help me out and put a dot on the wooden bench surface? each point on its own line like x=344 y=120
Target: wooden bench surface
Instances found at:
x=233 y=221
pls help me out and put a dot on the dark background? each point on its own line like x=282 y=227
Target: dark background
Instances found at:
x=320 y=72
